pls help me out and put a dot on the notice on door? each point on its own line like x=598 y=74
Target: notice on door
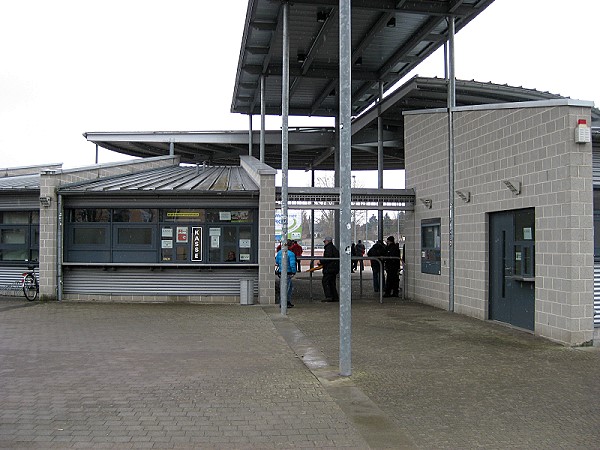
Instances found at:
x=182 y=234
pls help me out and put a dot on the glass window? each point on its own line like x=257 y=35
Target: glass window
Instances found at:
x=14 y=217
x=13 y=235
x=134 y=236
x=135 y=215
x=183 y=215
x=237 y=216
x=89 y=215
x=89 y=235
x=431 y=246
x=14 y=255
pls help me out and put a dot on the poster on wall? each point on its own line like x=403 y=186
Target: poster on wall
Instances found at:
x=167 y=232
x=294 y=225
x=182 y=234
x=196 y=243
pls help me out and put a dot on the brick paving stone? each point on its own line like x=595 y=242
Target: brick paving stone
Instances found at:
x=78 y=375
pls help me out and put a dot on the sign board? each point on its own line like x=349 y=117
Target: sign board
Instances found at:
x=196 y=243
x=182 y=234
x=294 y=224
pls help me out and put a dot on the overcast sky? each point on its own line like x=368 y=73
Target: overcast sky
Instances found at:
x=69 y=67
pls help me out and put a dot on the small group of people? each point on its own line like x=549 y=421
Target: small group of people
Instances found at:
x=391 y=266
x=330 y=263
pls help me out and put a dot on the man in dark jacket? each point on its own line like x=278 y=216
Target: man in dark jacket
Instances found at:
x=392 y=268
x=331 y=267
x=378 y=249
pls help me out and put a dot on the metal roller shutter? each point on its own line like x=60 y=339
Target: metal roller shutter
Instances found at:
x=161 y=281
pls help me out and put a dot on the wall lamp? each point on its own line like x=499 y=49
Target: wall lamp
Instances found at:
x=322 y=16
x=427 y=202
x=464 y=196
x=391 y=23
x=514 y=186
x=45 y=201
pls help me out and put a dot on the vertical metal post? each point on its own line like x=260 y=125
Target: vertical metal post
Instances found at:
x=171 y=148
x=262 y=118
x=285 y=106
x=380 y=160
x=312 y=220
x=250 y=138
x=345 y=186
x=96 y=153
x=451 y=106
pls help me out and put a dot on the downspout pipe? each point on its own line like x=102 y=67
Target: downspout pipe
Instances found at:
x=59 y=249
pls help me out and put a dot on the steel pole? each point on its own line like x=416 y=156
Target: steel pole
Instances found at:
x=345 y=186
x=380 y=160
x=285 y=106
x=451 y=106
x=262 y=118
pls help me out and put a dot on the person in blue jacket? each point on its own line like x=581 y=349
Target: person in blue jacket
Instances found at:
x=291 y=271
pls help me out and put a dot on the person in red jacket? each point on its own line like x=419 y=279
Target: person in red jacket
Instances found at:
x=297 y=250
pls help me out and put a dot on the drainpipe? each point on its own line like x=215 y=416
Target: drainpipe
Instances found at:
x=59 y=249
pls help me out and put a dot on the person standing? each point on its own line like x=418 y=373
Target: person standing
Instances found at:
x=360 y=251
x=297 y=249
x=331 y=268
x=378 y=249
x=392 y=268
x=291 y=271
x=352 y=255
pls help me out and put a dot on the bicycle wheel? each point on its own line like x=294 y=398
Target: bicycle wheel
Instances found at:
x=30 y=288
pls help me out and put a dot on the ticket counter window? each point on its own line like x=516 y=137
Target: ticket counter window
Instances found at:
x=169 y=235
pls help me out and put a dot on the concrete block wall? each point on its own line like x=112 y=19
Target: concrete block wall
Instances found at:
x=528 y=143
x=50 y=181
x=264 y=176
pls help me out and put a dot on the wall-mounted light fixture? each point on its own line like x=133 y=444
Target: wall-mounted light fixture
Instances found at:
x=427 y=202
x=322 y=16
x=464 y=196
x=45 y=201
x=514 y=186
x=301 y=57
x=391 y=23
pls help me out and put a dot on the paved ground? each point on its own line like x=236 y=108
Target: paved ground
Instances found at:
x=189 y=376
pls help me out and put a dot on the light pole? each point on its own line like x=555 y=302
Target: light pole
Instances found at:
x=354 y=211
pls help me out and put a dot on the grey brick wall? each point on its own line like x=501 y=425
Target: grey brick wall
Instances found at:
x=532 y=144
x=264 y=176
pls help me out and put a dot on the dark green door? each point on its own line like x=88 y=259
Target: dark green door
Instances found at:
x=512 y=267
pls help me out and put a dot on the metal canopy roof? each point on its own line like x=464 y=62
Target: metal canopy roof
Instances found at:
x=389 y=38
x=312 y=147
x=166 y=180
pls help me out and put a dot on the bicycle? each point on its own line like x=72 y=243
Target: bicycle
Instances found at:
x=31 y=287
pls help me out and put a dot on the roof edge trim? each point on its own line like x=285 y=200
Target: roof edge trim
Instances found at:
x=515 y=105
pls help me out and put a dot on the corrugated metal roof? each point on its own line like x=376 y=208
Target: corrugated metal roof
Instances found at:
x=389 y=39
x=22 y=182
x=167 y=180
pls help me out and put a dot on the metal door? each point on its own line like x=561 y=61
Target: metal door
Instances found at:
x=512 y=267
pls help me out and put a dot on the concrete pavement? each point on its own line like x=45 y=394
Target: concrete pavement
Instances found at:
x=78 y=375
